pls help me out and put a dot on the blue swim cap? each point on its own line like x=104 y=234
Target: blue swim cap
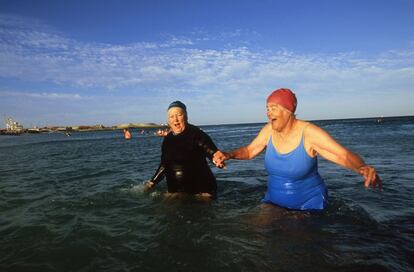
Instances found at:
x=178 y=104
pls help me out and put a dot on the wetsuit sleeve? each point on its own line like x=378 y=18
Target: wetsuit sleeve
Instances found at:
x=159 y=174
x=206 y=144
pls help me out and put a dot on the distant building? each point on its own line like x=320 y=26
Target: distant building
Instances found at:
x=13 y=126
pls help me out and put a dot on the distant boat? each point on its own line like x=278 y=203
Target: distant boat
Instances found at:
x=33 y=130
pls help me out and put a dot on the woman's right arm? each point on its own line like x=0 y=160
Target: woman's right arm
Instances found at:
x=249 y=151
x=156 y=178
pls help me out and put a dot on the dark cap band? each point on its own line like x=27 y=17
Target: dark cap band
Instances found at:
x=178 y=104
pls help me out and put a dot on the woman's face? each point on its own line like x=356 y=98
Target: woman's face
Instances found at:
x=278 y=116
x=177 y=119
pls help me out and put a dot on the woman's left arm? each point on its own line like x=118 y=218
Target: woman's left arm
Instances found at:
x=207 y=145
x=322 y=143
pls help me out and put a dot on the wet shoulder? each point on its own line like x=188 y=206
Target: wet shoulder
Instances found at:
x=310 y=130
x=267 y=129
x=311 y=134
x=194 y=130
x=264 y=135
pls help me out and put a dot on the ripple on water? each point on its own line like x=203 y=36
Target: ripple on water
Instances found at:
x=77 y=205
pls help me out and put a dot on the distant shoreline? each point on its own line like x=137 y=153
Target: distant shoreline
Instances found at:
x=70 y=129
x=153 y=125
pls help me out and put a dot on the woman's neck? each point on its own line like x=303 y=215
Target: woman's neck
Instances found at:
x=288 y=128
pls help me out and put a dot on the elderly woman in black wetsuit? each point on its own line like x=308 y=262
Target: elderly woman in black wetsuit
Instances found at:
x=183 y=160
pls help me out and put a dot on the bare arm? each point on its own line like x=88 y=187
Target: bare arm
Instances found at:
x=249 y=151
x=322 y=143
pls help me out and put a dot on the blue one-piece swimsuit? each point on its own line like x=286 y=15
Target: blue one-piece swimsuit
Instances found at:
x=294 y=181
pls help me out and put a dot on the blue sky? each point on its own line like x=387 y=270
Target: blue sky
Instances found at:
x=111 y=62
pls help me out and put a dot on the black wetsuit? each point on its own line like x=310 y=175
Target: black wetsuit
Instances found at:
x=183 y=162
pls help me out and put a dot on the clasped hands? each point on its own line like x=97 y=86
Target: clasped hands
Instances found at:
x=219 y=158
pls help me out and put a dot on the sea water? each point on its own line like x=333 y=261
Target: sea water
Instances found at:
x=77 y=204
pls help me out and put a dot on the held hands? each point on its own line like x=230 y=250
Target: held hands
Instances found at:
x=219 y=157
x=370 y=175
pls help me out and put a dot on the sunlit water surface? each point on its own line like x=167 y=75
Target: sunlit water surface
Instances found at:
x=76 y=204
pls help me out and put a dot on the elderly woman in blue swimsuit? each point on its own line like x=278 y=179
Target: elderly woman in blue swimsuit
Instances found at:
x=292 y=146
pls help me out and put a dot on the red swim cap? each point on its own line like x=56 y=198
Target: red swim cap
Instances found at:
x=283 y=97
